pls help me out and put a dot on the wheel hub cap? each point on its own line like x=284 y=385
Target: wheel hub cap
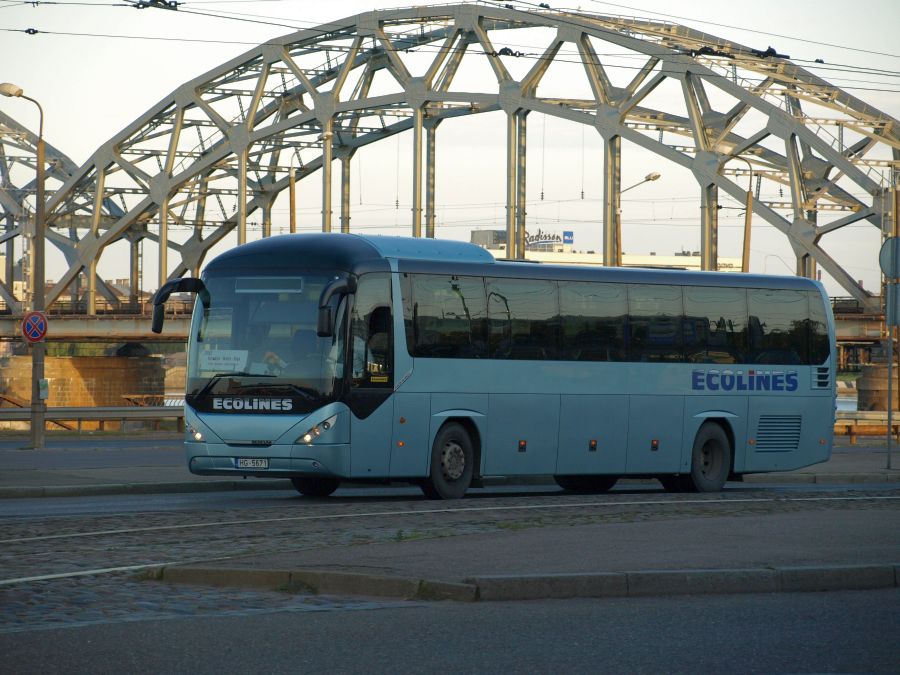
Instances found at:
x=453 y=461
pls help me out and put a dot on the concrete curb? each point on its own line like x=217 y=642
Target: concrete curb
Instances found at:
x=547 y=586
x=141 y=488
x=318 y=582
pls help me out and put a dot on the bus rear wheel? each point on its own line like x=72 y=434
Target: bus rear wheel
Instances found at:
x=710 y=460
x=586 y=484
x=452 y=464
x=315 y=486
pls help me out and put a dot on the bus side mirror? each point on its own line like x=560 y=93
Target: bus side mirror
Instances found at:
x=324 y=325
x=185 y=285
x=325 y=319
x=159 y=315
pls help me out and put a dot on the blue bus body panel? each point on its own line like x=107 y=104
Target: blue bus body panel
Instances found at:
x=592 y=417
x=532 y=419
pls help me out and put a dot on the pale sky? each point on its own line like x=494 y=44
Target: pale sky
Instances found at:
x=92 y=84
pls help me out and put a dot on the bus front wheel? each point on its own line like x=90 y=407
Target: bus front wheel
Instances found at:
x=710 y=460
x=315 y=487
x=452 y=464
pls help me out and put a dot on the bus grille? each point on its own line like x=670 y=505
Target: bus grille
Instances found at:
x=778 y=433
x=822 y=378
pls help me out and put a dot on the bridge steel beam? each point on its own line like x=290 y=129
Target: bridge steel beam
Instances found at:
x=210 y=157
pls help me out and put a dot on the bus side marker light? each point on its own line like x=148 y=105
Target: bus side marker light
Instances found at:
x=522 y=446
x=400 y=444
x=751 y=441
x=654 y=445
x=592 y=446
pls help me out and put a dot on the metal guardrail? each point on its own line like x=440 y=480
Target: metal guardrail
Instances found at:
x=120 y=414
x=855 y=423
x=128 y=412
x=846 y=423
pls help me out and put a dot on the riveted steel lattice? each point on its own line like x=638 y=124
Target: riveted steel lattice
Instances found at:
x=222 y=147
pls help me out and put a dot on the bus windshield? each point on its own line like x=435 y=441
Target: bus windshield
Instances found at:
x=254 y=347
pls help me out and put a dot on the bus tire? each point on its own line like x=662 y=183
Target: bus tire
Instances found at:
x=710 y=460
x=452 y=464
x=586 y=484
x=316 y=486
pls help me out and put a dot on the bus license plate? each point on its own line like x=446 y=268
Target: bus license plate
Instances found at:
x=251 y=463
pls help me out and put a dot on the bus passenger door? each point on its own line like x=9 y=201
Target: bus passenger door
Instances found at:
x=370 y=396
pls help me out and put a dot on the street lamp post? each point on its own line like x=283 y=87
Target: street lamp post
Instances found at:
x=38 y=407
x=652 y=176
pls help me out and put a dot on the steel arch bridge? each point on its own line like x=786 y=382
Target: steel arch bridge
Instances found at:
x=223 y=146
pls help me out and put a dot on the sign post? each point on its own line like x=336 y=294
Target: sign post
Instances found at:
x=34 y=328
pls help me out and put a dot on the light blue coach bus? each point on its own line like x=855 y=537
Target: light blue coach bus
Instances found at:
x=334 y=357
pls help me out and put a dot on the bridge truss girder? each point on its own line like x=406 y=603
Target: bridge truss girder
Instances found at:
x=223 y=146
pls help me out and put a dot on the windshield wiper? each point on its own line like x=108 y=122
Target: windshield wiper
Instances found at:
x=309 y=393
x=218 y=376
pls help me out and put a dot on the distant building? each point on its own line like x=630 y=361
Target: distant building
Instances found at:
x=559 y=249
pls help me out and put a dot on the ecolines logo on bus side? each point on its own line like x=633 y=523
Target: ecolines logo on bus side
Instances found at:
x=252 y=404
x=753 y=380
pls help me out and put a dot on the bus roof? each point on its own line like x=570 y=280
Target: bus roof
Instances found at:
x=361 y=253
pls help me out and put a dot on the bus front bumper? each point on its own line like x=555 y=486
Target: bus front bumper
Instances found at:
x=284 y=461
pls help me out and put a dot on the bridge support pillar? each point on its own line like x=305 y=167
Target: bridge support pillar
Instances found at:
x=164 y=230
x=515 y=184
x=345 y=193
x=242 y=198
x=521 y=190
x=267 y=220
x=709 y=232
x=134 y=288
x=612 y=202
x=418 y=117
x=806 y=264
x=430 y=158
x=327 y=157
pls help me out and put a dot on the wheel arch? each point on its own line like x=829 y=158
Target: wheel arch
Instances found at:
x=721 y=419
x=466 y=419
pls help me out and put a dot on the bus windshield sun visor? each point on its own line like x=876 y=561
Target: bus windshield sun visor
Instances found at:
x=183 y=285
x=338 y=286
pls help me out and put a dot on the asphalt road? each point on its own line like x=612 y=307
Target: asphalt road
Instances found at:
x=70 y=600
x=849 y=632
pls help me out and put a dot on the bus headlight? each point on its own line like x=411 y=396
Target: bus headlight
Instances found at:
x=317 y=431
x=194 y=434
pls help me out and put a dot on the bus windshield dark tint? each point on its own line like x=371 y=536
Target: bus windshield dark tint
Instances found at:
x=256 y=343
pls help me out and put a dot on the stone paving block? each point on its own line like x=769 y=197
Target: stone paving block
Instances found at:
x=444 y=590
x=533 y=587
x=224 y=576
x=686 y=582
x=844 y=578
x=349 y=583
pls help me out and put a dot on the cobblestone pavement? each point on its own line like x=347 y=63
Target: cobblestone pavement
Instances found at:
x=69 y=545
x=117 y=598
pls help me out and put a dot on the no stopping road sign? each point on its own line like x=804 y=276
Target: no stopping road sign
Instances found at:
x=34 y=326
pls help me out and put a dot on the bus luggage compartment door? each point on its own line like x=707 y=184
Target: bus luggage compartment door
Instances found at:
x=522 y=434
x=655 y=425
x=593 y=433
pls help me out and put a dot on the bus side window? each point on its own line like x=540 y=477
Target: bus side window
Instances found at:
x=370 y=328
